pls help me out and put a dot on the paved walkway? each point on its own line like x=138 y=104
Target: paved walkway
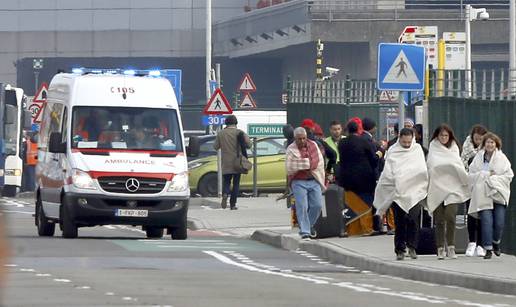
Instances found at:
x=268 y=222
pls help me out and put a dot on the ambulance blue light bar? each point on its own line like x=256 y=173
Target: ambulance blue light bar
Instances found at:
x=127 y=72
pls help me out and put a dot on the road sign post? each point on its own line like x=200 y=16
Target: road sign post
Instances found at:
x=401 y=67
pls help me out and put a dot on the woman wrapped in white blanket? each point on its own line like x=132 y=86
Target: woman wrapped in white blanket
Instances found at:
x=448 y=187
x=490 y=176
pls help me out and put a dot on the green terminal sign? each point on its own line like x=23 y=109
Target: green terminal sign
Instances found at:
x=263 y=130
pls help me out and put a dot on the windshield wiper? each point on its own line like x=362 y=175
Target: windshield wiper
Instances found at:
x=163 y=155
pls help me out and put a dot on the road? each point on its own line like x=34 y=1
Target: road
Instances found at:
x=117 y=266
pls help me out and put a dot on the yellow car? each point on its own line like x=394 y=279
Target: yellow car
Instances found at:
x=271 y=172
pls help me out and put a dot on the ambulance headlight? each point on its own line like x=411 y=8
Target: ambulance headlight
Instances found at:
x=82 y=180
x=129 y=72
x=12 y=172
x=79 y=71
x=179 y=183
x=154 y=73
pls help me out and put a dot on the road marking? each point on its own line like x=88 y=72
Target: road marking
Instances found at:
x=43 y=275
x=83 y=287
x=10 y=265
x=27 y=270
x=109 y=293
x=15 y=211
x=62 y=280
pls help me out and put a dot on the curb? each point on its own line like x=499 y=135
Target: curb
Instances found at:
x=408 y=271
x=194 y=224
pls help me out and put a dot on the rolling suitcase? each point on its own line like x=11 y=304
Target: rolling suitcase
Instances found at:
x=330 y=222
x=426 y=243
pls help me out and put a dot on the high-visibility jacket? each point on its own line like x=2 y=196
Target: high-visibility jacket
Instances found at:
x=32 y=152
x=333 y=145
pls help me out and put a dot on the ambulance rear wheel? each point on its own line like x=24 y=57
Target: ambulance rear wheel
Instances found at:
x=9 y=191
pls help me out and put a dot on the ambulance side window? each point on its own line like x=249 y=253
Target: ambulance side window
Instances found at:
x=45 y=125
x=64 y=126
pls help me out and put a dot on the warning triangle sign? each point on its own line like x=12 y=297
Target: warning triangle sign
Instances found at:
x=218 y=104
x=248 y=102
x=41 y=95
x=401 y=71
x=247 y=84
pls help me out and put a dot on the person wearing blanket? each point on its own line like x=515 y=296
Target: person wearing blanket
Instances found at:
x=490 y=176
x=448 y=186
x=305 y=170
x=403 y=184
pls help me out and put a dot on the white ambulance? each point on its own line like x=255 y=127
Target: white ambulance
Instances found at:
x=111 y=151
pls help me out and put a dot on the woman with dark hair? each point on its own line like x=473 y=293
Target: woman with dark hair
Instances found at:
x=470 y=148
x=490 y=175
x=357 y=177
x=448 y=187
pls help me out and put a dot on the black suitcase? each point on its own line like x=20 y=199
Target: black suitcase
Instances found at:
x=330 y=222
x=426 y=243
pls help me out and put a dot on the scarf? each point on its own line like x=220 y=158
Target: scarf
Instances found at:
x=404 y=179
x=468 y=151
x=493 y=185
x=295 y=162
x=448 y=179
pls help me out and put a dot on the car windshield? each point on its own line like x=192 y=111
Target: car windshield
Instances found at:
x=125 y=128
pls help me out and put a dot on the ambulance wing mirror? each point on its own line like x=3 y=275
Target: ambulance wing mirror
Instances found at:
x=56 y=145
x=193 y=148
x=27 y=120
x=10 y=114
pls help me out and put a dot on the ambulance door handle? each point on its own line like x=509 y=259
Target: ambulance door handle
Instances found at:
x=55 y=159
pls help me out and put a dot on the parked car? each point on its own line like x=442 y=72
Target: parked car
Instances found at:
x=271 y=172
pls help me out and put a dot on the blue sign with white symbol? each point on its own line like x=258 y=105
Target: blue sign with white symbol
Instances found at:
x=213 y=86
x=401 y=67
x=208 y=120
x=174 y=76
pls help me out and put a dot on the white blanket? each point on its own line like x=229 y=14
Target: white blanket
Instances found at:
x=491 y=185
x=404 y=179
x=448 y=180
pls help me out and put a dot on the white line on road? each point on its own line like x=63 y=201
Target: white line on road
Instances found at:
x=10 y=265
x=27 y=270
x=62 y=280
x=15 y=211
x=43 y=275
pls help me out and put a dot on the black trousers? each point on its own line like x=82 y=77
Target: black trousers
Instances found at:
x=474 y=228
x=407 y=227
x=226 y=189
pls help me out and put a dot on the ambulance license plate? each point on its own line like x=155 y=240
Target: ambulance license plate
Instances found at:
x=131 y=213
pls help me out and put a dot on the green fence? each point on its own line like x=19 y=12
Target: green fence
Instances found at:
x=497 y=116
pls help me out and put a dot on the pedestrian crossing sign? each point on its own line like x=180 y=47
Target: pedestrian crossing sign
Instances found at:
x=218 y=104
x=401 y=67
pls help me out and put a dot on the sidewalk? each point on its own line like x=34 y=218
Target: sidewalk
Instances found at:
x=268 y=222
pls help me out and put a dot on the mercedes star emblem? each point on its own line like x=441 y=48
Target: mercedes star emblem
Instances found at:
x=132 y=185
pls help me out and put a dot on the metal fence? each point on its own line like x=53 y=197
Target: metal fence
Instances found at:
x=334 y=10
x=486 y=84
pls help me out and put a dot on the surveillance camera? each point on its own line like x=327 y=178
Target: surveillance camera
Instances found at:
x=332 y=70
x=483 y=16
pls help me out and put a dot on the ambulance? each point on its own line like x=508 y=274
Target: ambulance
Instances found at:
x=111 y=151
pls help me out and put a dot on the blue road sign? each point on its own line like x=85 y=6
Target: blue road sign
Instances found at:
x=213 y=86
x=401 y=67
x=208 y=120
x=174 y=76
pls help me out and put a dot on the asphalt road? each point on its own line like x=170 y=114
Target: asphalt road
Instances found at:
x=118 y=266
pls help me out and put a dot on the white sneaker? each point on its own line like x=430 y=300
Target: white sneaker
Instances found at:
x=480 y=251
x=470 y=250
x=451 y=252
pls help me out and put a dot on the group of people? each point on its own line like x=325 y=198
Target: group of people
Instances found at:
x=402 y=179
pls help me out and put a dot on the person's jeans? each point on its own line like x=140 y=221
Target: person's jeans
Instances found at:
x=493 y=221
x=236 y=187
x=445 y=220
x=308 y=197
x=407 y=227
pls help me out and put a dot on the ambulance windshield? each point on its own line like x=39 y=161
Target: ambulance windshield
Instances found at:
x=126 y=128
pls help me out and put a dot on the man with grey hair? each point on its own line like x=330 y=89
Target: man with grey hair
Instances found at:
x=305 y=169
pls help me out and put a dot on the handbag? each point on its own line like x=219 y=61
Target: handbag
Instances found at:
x=242 y=164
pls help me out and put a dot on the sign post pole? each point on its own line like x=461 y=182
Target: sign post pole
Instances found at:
x=255 y=169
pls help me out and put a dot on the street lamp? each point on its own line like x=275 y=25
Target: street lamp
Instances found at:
x=471 y=15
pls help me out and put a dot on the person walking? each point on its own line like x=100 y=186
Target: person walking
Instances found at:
x=230 y=141
x=305 y=169
x=358 y=162
x=490 y=176
x=402 y=185
x=333 y=142
x=470 y=148
x=448 y=187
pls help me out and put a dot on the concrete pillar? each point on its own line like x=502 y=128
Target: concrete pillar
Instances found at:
x=373 y=58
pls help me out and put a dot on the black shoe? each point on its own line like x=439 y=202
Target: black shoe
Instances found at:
x=489 y=254
x=400 y=255
x=233 y=207
x=313 y=233
x=496 y=249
